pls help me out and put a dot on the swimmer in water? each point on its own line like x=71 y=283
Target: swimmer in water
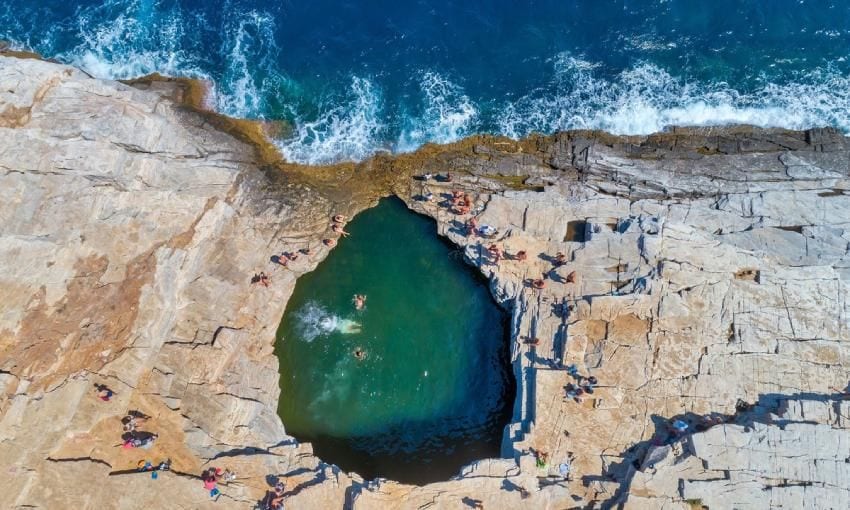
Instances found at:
x=360 y=354
x=359 y=301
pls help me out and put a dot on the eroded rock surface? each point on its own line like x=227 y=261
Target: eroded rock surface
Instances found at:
x=704 y=268
x=788 y=452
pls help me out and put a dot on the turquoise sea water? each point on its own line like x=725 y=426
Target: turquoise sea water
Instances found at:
x=358 y=77
x=434 y=389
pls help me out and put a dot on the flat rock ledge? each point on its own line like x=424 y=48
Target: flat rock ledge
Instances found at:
x=705 y=283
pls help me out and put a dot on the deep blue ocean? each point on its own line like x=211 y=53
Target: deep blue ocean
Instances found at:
x=359 y=77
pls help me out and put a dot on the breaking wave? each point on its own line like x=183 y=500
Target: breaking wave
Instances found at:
x=646 y=99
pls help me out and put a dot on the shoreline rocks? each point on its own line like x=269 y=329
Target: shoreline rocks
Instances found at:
x=702 y=267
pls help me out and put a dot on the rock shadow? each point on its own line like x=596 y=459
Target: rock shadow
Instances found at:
x=746 y=415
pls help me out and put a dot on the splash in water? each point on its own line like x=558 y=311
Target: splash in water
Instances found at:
x=314 y=321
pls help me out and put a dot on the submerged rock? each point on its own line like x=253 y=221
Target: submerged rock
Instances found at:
x=703 y=267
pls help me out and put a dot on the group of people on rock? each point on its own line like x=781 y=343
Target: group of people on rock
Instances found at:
x=496 y=254
x=337 y=227
x=583 y=385
x=461 y=202
x=131 y=437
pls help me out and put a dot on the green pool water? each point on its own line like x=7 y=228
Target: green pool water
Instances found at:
x=434 y=390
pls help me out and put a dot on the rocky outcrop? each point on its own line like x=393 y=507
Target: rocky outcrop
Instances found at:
x=704 y=268
x=787 y=452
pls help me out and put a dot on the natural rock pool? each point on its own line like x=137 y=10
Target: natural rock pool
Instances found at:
x=433 y=389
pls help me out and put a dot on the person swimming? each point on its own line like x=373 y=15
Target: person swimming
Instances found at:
x=360 y=354
x=359 y=301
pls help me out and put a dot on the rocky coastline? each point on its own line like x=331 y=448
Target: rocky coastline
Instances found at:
x=705 y=281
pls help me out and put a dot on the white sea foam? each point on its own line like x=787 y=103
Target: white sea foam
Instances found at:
x=447 y=116
x=348 y=127
x=647 y=99
x=314 y=321
x=125 y=39
x=250 y=48
x=122 y=39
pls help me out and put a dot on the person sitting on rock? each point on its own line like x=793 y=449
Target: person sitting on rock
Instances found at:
x=339 y=218
x=148 y=440
x=210 y=479
x=539 y=283
x=133 y=419
x=330 y=243
x=521 y=256
x=261 y=278
x=337 y=229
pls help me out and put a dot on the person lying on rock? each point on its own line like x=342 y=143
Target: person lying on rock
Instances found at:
x=103 y=392
x=133 y=420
